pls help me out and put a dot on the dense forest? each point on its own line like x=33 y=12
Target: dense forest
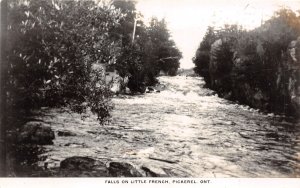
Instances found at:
x=259 y=67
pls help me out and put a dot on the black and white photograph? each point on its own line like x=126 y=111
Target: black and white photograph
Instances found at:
x=150 y=89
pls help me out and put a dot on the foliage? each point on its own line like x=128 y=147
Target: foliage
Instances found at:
x=146 y=53
x=250 y=62
x=51 y=51
x=55 y=49
x=164 y=52
x=202 y=57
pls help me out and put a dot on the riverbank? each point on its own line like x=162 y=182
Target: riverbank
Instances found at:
x=258 y=67
x=275 y=89
x=183 y=131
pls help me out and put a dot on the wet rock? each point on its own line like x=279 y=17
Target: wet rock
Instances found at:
x=79 y=163
x=36 y=133
x=152 y=171
x=149 y=89
x=65 y=133
x=160 y=87
x=78 y=166
x=121 y=169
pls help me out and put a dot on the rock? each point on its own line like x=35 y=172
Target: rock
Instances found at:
x=127 y=90
x=160 y=87
x=122 y=169
x=78 y=166
x=80 y=163
x=36 y=133
x=150 y=89
x=152 y=171
x=65 y=133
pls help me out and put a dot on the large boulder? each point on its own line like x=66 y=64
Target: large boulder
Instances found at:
x=153 y=171
x=36 y=133
x=122 y=169
x=85 y=166
x=79 y=163
x=78 y=166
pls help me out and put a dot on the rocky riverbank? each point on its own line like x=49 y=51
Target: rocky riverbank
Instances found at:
x=258 y=67
x=242 y=82
x=246 y=69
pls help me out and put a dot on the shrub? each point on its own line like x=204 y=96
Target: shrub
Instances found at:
x=52 y=46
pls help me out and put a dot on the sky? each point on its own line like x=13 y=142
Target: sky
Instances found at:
x=188 y=19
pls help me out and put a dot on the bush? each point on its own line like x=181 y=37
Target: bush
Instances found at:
x=51 y=51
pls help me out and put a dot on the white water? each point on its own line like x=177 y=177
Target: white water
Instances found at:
x=200 y=134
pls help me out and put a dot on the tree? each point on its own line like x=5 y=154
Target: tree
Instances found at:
x=164 y=52
x=253 y=67
x=52 y=50
x=202 y=56
x=150 y=52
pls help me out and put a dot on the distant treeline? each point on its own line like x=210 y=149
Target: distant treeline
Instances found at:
x=53 y=47
x=260 y=68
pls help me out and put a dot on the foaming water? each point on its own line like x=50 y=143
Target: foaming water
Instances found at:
x=211 y=136
x=184 y=131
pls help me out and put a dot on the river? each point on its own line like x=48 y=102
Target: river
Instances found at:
x=184 y=131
